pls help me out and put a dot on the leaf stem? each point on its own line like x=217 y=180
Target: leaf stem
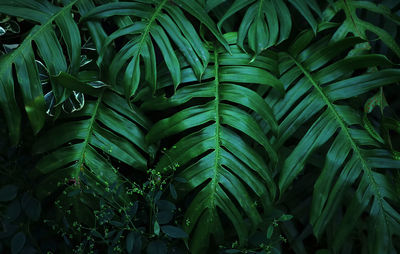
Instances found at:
x=367 y=170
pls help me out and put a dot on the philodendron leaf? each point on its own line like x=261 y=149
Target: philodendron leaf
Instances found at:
x=356 y=25
x=217 y=159
x=158 y=24
x=79 y=148
x=267 y=23
x=54 y=33
x=321 y=79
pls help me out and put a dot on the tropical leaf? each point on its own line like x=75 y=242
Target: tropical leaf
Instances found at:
x=146 y=22
x=255 y=126
x=211 y=4
x=216 y=158
x=357 y=26
x=267 y=23
x=45 y=15
x=318 y=82
x=80 y=147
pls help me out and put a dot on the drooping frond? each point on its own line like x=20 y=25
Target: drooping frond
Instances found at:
x=217 y=160
x=318 y=82
x=162 y=22
x=79 y=148
x=44 y=36
x=267 y=23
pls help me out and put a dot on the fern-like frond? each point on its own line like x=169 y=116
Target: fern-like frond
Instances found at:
x=267 y=23
x=217 y=160
x=23 y=58
x=84 y=142
x=357 y=26
x=318 y=80
x=146 y=22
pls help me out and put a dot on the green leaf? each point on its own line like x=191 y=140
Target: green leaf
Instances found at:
x=31 y=206
x=359 y=27
x=232 y=251
x=173 y=191
x=174 y=232
x=192 y=7
x=13 y=211
x=174 y=26
x=215 y=158
x=105 y=127
x=50 y=50
x=96 y=234
x=17 y=242
x=270 y=231
x=166 y=211
x=318 y=88
x=130 y=240
x=267 y=23
x=68 y=81
x=285 y=217
x=156 y=228
x=8 y=192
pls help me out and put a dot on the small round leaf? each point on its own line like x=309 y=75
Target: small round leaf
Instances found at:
x=17 y=242
x=13 y=210
x=31 y=206
x=156 y=228
x=285 y=217
x=8 y=192
x=174 y=232
x=173 y=191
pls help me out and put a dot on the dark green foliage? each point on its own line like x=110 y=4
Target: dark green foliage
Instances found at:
x=201 y=126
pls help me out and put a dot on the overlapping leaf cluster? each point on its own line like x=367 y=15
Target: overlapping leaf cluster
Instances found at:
x=252 y=110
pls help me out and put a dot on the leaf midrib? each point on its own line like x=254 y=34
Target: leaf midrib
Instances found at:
x=354 y=20
x=89 y=132
x=215 y=179
x=260 y=7
x=146 y=31
x=344 y=128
